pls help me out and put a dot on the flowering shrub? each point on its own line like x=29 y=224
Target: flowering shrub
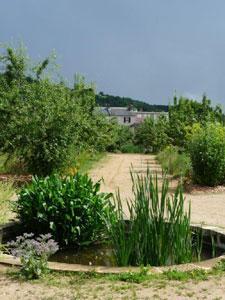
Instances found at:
x=33 y=253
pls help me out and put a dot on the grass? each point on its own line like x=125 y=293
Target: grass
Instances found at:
x=87 y=161
x=84 y=162
x=175 y=163
x=6 y=192
x=63 y=279
x=158 y=232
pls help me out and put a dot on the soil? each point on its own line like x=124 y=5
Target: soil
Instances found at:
x=207 y=207
x=60 y=287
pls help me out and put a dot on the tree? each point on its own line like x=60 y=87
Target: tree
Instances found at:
x=152 y=135
x=43 y=121
x=185 y=112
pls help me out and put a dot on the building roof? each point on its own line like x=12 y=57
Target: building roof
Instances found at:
x=117 y=111
x=124 y=111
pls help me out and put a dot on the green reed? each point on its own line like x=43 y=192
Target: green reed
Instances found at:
x=157 y=230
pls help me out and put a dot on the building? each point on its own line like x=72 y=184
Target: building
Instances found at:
x=130 y=117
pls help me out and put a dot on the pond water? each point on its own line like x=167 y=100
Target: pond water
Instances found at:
x=101 y=255
x=97 y=255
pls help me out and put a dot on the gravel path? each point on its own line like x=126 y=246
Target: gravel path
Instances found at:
x=207 y=208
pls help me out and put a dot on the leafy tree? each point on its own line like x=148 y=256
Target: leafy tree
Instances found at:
x=42 y=121
x=185 y=112
x=152 y=135
x=123 y=136
x=110 y=100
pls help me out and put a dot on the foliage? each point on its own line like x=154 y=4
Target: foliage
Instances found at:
x=123 y=136
x=83 y=162
x=173 y=274
x=72 y=209
x=152 y=135
x=6 y=192
x=42 y=121
x=131 y=148
x=116 y=101
x=158 y=231
x=175 y=162
x=196 y=274
x=185 y=112
x=207 y=152
x=33 y=253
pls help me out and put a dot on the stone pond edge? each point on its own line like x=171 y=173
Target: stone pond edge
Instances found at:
x=206 y=265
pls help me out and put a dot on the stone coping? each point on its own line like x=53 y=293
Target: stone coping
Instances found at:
x=206 y=265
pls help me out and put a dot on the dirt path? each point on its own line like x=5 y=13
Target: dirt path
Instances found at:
x=206 y=208
x=71 y=287
x=115 y=171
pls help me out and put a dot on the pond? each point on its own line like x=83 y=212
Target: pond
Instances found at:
x=102 y=255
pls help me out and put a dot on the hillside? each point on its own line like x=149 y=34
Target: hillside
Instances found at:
x=116 y=101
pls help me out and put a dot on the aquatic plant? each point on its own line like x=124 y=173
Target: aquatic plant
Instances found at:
x=157 y=231
x=70 y=208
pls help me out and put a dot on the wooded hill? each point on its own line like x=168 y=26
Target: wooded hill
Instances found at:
x=117 y=101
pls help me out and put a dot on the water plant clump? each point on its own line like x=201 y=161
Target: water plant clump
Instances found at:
x=71 y=208
x=158 y=230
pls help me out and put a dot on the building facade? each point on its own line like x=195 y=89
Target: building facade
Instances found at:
x=130 y=117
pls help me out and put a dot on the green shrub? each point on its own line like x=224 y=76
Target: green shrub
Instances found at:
x=207 y=151
x=174 y=162
x=158 y=231
x=152 y=135
x=123 y=136
x=185 y=112
x=131 y=148
x=72 y=209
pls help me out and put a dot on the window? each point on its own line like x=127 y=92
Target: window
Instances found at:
x=126 y=119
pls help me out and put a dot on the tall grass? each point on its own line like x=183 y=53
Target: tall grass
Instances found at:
x=6 y=192
x=175 y=163
x=158 y=231
x=82 y=162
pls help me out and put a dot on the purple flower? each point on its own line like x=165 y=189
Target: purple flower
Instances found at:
x=26 y=246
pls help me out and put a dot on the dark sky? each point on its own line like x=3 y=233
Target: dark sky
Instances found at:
x=145 y=49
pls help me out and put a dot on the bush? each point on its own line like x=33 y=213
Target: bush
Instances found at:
x=131 y=148
x=185 y=112
x=72 y=209
x=207 y=151
x=174 y=162
x=152 y=135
